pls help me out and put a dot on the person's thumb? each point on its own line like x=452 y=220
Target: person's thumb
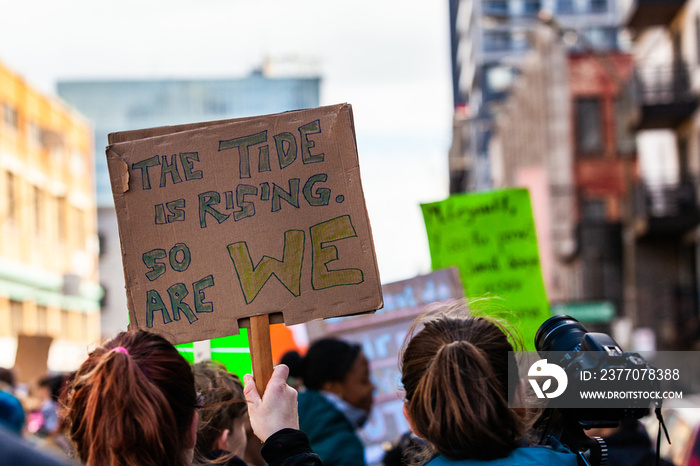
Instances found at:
x=250 y=391
x=279 y=375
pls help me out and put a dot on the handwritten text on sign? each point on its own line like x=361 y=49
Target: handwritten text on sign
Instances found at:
x=222 y=220
x=491 y=238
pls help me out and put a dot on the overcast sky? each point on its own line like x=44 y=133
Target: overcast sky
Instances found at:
x=388 y=58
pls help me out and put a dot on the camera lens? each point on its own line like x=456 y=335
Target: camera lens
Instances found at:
x=559 y=333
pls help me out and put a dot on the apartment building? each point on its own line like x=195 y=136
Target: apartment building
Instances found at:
x=609 y=145
x=489 y=39
x=666 y=45
x=49 y=283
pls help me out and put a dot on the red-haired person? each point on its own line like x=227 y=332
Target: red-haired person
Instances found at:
x=133 y=401
x=455 y=374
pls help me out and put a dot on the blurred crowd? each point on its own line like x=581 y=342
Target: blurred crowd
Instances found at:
x=33 y=411
x=136 y=401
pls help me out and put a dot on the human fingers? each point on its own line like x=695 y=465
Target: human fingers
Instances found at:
x=279 y=376
x=250 y=391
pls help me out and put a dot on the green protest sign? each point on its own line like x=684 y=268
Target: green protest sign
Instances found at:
x=491 y=239
x=232 y=351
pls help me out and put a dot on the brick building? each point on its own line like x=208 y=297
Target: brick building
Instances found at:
x=568 y=133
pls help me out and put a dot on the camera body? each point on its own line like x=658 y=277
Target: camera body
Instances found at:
x=581 y=353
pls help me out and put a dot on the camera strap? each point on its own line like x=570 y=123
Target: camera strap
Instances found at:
x=662 y=424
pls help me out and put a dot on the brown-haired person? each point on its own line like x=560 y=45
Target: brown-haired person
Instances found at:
x=455 y=374
x=221 y=430
x=133 y=402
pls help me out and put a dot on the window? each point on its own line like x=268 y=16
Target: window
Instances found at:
x=85 y=325
x=589 y=134
x=66 y=332
x=495 y=7
x=38 y=202
x=593 y=209
x=496 y=41
x=61 y=216
x=34 y=133
x=77 y=162
x=519 y=41
x=624 y=135
x=17 y=317
x=532 y=7
x=42 y=327
x=79 y=228
x=102 y=243
x=10 y=189
x=598 y=6
x=10 y=117
x=565 y=6
x=602 y=38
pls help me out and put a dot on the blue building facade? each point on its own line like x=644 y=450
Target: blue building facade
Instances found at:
x=125 y=105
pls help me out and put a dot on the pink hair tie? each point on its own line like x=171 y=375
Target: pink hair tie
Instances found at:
x=121 y=349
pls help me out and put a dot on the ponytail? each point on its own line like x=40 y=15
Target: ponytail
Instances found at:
x=133 y=406
x=455 y=373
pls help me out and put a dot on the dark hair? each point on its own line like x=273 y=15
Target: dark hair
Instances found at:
x=54 y=384
x=327 y=360
x=8 y=377
x=134 y=406
x=455 y=373
x=292 y=359
x=223 y=398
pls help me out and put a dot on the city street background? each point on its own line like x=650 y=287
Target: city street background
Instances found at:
x=389 y=60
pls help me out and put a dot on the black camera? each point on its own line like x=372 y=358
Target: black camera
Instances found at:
x=599 y=361
x=591 y=362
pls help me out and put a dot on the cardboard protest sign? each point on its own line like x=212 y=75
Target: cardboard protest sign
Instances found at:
x=223 y=221
x=381 y=336
x=491 y=238
x=31 y=360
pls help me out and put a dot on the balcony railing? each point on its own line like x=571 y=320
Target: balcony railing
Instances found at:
x=665 y=95
x=664 y=83
x=667 y=208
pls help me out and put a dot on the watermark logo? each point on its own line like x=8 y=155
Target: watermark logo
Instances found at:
x=543 y=369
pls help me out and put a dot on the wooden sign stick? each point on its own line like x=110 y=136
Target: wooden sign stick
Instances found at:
x=260 y=350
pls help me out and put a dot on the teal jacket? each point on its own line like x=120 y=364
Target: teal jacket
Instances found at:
x=331 y=435
x=527 y=456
